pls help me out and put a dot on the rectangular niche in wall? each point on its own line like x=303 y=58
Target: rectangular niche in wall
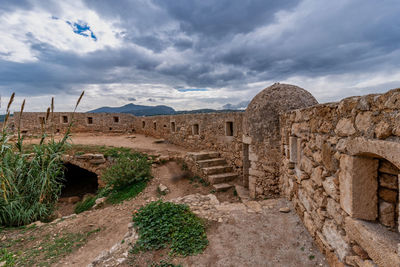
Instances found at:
x=116 y=119
x=90 y=120
x=173 y=126
x=155 y=125
x=143 y=124
x=229 y=128
x=195 y=129
x=64 y=119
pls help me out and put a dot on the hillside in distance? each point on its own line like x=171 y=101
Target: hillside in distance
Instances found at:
x=141 y=110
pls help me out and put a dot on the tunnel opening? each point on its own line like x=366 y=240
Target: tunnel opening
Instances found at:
x=78 y=181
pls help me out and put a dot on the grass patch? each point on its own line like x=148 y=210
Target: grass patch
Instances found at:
x=117 y=196
x=85 y=205
x=168 y=225
x=164 y=263
x=44 y=253
x=199 y=180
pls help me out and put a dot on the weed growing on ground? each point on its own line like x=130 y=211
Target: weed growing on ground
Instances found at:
x=87 y=204
x=127 y=170
x=164 y=224
x=164 y=263
x=30 y=184
x=198 y=179
x=48 y=251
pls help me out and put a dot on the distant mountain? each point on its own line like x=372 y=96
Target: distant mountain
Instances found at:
x=140 y=110
x=137 y=110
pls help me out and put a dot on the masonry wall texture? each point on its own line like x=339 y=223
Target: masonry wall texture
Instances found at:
x=340 y=166
x=337 y=162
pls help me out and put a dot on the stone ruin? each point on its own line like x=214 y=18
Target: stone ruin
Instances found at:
x=339 y=163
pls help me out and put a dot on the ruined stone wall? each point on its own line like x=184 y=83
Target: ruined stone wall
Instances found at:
x=83 y=122
x=340 y=166
x=220 y=132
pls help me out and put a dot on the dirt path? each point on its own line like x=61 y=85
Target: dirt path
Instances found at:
x=243 y=238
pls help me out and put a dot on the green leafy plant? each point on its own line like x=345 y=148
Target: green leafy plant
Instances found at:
x=85 y=205
x=128 y=169
x=119 y=195
x=164 y=263
x=30 y=184
x=164 y=224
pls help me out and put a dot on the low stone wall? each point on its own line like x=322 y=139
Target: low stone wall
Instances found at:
x=220 y=132
x=340 y=166
x=83 y=122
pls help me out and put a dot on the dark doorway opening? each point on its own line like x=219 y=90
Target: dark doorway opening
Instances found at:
x=78 y=181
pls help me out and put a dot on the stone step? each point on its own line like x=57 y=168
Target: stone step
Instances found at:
x=216 y=169
x=222 y=187
x=203 y=155
x=211 y=162
x=242 y=192
x=221 y=178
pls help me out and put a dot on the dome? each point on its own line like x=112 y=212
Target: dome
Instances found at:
x=262 y=114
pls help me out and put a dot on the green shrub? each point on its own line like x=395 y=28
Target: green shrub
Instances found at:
x=128 y=169
x=30 y=186
x=118 y=195
x=164 y=224
x=85 y=205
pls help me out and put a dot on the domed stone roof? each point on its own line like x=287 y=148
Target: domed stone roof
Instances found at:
x=262 y=114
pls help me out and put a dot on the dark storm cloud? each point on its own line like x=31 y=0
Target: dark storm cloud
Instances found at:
x=214 y=44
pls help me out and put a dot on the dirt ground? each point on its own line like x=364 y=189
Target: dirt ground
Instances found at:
x=269 y=238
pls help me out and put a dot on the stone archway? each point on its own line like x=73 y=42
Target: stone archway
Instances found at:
x=369 y=181
x=78 y=181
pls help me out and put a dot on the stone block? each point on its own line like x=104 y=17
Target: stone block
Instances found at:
x=388 y=195
x=387 y=213
x=360 y=252
x=364 y=121
x=333 y=209
x=316 y=175
x=358 y=186
x=386 y=167
x=383 y=130
x=309 y=224
x=388 y=181
x=380 y=244
x=335 y=239
x=345 y=127
x=306 y=165
x=331 y=188
x=293 y=149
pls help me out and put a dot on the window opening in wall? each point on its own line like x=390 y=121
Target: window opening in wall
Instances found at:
x=165 y=126
x=24 y=132
x=388 y=194
x=58 y=130
x=42 y=120
x=195 y=129
x=110 y=128
x=173 y=126
x=143 y=124
x=229 y=128
x=155 y=125
x=90 y=120
x=65 y=119
x=116 y=119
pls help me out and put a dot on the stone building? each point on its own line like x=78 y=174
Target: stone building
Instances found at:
x=338 y=162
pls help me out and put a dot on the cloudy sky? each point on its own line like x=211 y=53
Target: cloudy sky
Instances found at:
x=194 y=54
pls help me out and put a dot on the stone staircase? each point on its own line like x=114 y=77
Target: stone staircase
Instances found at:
x=214 y=169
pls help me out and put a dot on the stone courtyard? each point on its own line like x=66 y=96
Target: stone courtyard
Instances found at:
x=337 y=164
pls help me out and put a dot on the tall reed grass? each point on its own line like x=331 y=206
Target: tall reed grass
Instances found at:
x=30 y=184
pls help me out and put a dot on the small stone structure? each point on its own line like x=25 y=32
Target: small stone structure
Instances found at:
x=337 y=162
